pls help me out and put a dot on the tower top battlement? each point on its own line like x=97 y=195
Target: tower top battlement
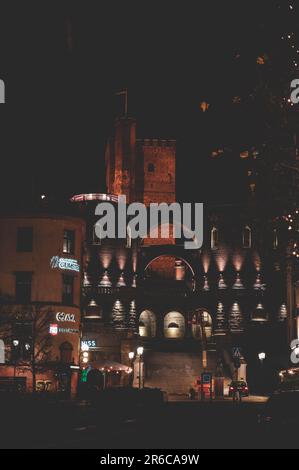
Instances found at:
x=168 y=143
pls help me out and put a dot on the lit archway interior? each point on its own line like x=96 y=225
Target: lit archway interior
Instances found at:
x=174 y=326
x=202 y=323
x=170 y=269
x=147 y=324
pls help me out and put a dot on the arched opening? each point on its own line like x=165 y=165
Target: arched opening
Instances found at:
x=174 y=326
x=202 y=326
x=170 y=272
x=147 y=324
x=66 y=353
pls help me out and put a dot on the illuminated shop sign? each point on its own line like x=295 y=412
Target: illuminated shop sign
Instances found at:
x=55 y=330
x=65 y=317
x=65 y=264
x=91 y=343
x=69 y=331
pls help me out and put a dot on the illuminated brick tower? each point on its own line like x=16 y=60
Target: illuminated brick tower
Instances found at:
x=142 y=170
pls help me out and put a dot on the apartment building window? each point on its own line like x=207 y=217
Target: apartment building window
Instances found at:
x=69 y=242
x=23 y=287
x=67 y=290
x=151 y=168
x=25 y=240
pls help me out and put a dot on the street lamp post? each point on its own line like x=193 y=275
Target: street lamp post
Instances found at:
x=132 y=357
x=262 y=358
x=140 y=352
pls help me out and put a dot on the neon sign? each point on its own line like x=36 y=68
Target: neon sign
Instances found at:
x=91 y=344
x=65 y=317
x=53 y=330
x=64 y=264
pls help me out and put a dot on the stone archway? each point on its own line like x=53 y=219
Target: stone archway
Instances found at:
x=147 y=324
x=174 y=325
x=202 y=325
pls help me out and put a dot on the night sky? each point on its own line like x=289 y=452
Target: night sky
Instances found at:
x=62 y=65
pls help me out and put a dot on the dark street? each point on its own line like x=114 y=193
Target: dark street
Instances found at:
x=179 y=425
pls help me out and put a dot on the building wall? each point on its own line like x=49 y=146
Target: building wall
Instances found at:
x=47 y=282
x=142 y=170
x=159 y=171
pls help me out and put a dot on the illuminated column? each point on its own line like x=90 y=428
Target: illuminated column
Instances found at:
x=132 y=321
x=220 y=329
x=180 y=270
x=236 y=319
x=222 y=285
x=105 y=281
x=121 y=282
x=283 y=313
x=238 y=285
x=206 y=286
x=119 y=315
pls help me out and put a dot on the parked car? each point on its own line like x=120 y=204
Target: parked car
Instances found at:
x=239 y=386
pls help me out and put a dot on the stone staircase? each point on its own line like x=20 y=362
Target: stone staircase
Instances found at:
x=175 y=372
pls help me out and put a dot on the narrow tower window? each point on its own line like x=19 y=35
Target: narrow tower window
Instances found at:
x=214 y=238
x=247 y=237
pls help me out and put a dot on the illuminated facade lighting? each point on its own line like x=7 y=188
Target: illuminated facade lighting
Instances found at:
x=238 y=285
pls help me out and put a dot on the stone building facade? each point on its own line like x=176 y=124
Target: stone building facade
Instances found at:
x=189 y=309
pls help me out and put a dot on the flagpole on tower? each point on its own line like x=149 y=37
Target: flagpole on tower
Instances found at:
x=125 y=94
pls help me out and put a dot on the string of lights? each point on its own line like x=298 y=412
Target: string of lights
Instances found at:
x=292 y=221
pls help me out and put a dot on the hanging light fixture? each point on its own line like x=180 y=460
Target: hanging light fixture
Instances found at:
x=206 y=286
x=283 y=313
x=93 y=311
x=222 y=285
x=121 y=282
x=86 y=280
x=238 y=285
x=259 y=315
x=258 y=285
x=105 y=282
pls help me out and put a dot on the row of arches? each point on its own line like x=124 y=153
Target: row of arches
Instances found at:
x=174 y=325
